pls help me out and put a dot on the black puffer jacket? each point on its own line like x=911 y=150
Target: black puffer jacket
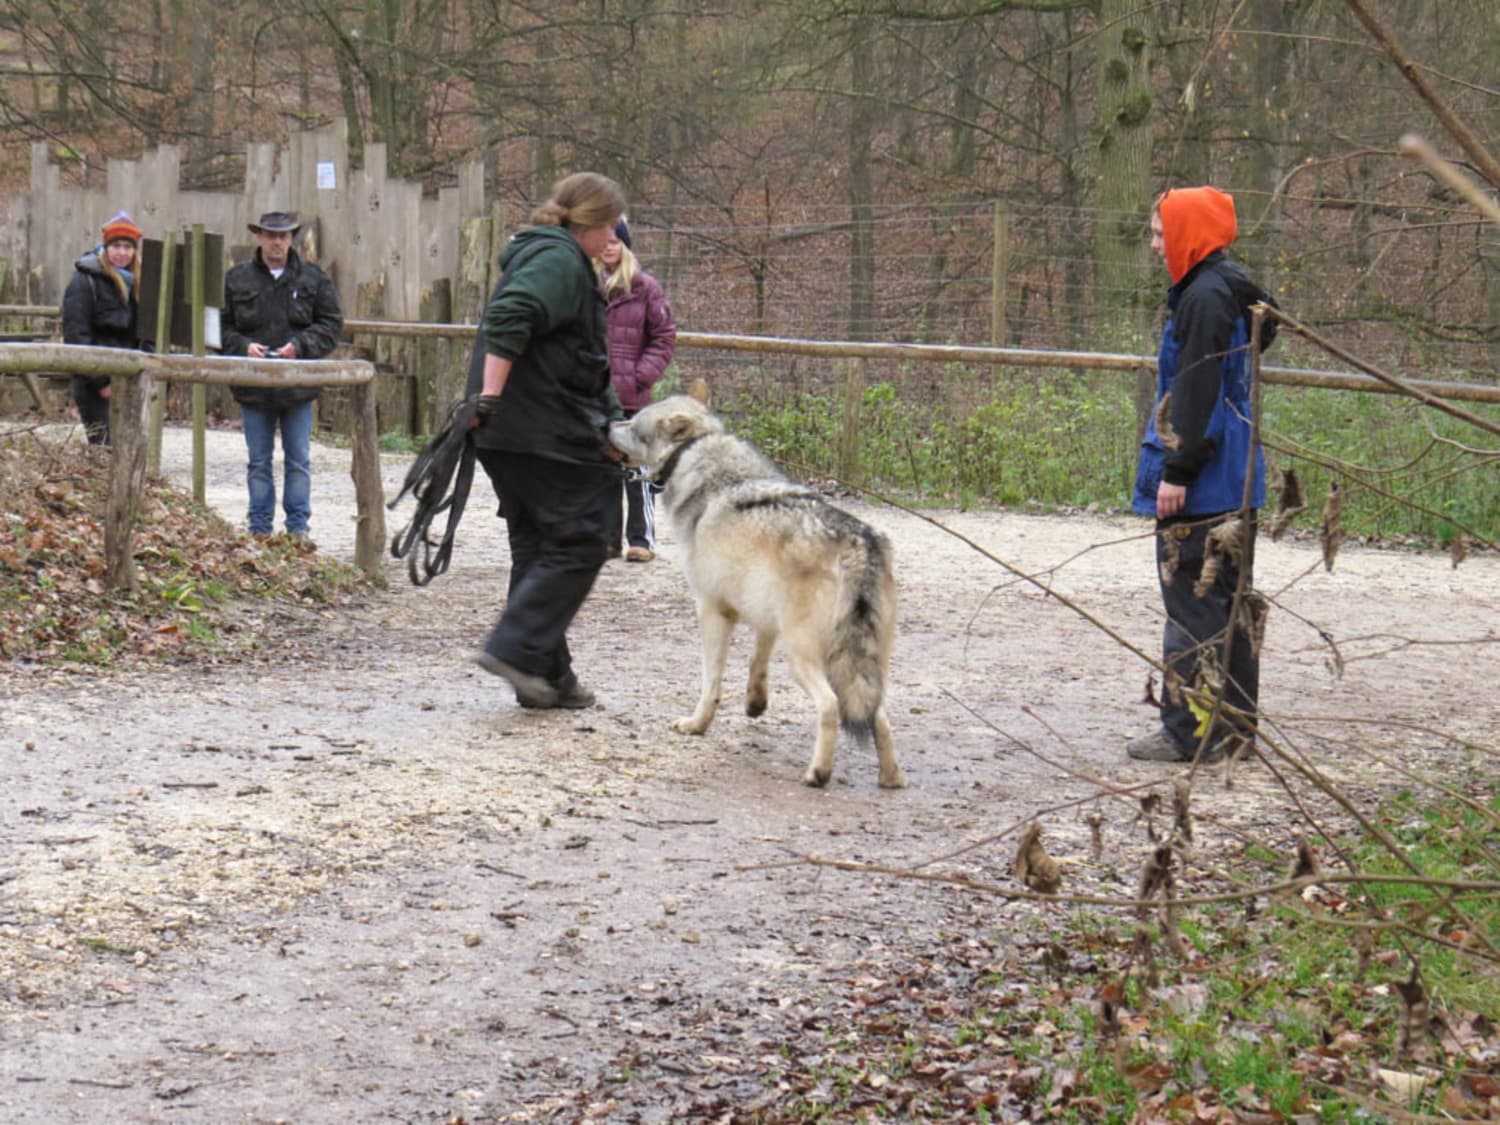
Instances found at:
x=94 y=313
x=301 y=306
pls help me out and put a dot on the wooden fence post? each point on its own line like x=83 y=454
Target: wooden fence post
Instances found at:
x=435 y=377
x=854 y=392
x=165 y=297
x=999 y=267
x=364 y=468
x=129 y=398
x=200 y=349
x=471 y=290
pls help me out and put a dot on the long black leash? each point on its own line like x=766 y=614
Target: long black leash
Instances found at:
x=450 y=451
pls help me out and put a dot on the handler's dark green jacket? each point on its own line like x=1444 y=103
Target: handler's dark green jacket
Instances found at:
x=547 y=316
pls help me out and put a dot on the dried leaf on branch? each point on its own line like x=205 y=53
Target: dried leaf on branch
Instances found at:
x=1034 y=867
x=1332 y=536
x=1226 y=543
x=1290 y=502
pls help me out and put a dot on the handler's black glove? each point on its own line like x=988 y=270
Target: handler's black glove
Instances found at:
x=486 y=405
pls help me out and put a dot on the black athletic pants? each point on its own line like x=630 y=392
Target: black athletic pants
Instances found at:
x=1198 y=624
x=563 y=521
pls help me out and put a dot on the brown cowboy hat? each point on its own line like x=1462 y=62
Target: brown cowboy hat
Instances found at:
x=276 y=221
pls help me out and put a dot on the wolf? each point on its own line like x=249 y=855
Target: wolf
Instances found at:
x=763 y=549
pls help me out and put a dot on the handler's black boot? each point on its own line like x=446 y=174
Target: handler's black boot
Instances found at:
x=573 y=695
x=531 y=690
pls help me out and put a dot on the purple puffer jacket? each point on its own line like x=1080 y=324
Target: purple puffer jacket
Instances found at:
x=642 y=338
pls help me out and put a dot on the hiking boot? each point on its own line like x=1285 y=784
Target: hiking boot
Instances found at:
x=575 y=697
x=1158 y=746
x=639 y=554
x=572 y=696
x=531 y=690
x=1162 y=747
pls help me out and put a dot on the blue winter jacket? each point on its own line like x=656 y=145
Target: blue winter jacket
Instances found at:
x=1204 y=362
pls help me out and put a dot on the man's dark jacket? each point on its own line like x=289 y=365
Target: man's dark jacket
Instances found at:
x=547 y=316
x=301 y=306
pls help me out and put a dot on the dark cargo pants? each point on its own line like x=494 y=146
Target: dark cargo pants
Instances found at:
x=1197 y=626
x=563 y=520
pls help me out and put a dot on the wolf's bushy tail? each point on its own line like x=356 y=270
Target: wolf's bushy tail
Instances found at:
x=862 y=637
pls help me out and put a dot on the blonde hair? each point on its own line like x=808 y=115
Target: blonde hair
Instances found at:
x=582 y=200
x=113 y=274
x=624 y=276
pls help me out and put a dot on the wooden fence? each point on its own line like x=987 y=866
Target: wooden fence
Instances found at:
x=434 y=356
x=362 y=226
x=132 y=379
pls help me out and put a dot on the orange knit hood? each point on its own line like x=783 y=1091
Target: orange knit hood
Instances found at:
x=1194 y=223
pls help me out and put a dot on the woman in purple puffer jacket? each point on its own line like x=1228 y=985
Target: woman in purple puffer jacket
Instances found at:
x=642 y=338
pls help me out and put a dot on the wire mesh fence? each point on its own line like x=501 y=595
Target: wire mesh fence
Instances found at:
x=1416 y=287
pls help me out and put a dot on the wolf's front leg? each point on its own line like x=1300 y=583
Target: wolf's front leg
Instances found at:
x=715 y=627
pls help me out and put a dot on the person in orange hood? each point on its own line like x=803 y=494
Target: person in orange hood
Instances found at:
x=1199 y=466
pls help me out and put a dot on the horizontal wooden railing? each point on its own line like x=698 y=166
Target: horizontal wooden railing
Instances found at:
x=930 y=353
x=132 y=376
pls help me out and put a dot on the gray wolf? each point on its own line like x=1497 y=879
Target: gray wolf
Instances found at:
x=762 y=549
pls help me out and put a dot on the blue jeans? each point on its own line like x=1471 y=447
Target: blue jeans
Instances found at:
x=296 y=440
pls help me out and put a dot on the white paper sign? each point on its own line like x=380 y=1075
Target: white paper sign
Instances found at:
x=211 y=337
x=327 y=180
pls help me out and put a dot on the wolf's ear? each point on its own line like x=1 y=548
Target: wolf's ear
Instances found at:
x=699 y=390
x=680 y=427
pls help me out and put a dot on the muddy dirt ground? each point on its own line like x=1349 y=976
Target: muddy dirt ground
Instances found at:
x=349 y=880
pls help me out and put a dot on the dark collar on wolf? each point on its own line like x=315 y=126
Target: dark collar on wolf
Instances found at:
x=669 y=466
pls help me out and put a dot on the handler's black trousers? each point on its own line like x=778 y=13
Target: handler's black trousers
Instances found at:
x=563 y=520
x=1196 y=627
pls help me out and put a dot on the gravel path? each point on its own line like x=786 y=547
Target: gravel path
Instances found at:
x=349 y=880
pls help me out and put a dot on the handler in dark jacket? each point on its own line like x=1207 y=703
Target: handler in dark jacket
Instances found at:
x=99 y=309
x=1192 y=475
x=278 y=306
x=541 y=366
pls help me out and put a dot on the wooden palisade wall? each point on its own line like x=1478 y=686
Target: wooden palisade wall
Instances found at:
x=393 y=251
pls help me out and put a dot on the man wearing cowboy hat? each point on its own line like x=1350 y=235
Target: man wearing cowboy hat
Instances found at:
x=277 y=306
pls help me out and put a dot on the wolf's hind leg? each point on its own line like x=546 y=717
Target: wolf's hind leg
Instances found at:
x=891 y=776
x=757 y=693
x=715 y=627
x=808 y=671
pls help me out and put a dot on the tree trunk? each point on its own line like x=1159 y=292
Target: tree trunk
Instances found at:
x=129 y=398
x=1123 y=127
x=861 y=187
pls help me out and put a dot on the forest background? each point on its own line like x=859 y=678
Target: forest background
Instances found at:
x=861 y=170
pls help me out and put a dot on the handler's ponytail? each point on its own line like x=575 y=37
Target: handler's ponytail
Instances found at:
x=584 y=199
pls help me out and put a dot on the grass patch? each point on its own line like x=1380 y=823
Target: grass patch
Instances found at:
x=397 y=441
x=1296 y=1007
x=1057 y=441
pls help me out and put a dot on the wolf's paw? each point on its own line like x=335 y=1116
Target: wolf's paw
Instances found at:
x=893 y=780
x=689 y=725
x=816 y=779
x=755 y=705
